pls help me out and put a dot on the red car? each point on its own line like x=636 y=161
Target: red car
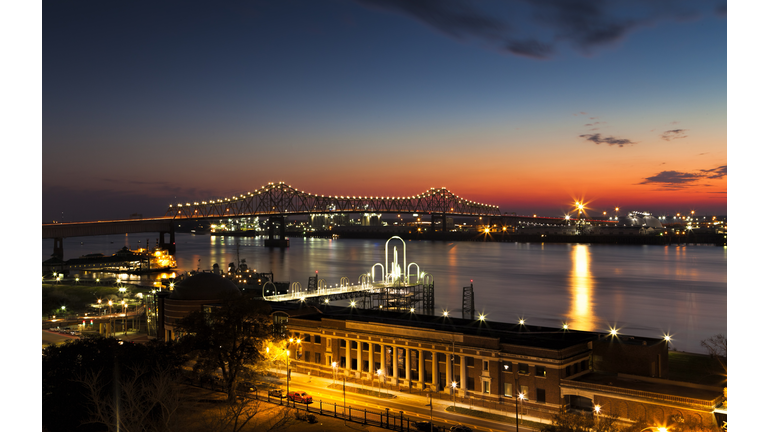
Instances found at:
x=299 y=396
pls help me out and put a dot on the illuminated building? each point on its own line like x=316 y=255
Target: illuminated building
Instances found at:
x=492 y=361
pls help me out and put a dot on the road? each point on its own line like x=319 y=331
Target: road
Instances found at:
x=414 y=407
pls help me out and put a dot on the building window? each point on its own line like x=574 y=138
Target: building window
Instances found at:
x=328 y=340
x=376 y=348
x=307 y=338
x=318 y=359
x=366 y=346
x=541 y=371
x=317 y=339
x=522 y=368
x=470 y=383
x=342 y=343
x=354 y=344
x=541 y=395
x=509 y=389
x=487 y=387
x=470 y=361
x=524 y=391
x=485 y=365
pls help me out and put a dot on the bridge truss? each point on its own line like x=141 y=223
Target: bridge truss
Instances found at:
x=282 y=199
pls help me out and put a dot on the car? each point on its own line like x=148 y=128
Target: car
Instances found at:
x=424 y=426
x=460 y=428
x=246 y=386
x=300 y=396
x=276 y=393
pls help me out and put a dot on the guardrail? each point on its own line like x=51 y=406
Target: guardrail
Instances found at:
x=388 y=419
x=691 y=402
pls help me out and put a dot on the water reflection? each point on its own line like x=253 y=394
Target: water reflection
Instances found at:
x=581 y=316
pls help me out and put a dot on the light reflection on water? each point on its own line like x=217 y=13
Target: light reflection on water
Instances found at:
x=581 y=290
x=642 y=290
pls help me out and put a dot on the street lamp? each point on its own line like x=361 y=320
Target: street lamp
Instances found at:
x=597 y=415
x=335 y=369
x=453 y=391
x=378 y=372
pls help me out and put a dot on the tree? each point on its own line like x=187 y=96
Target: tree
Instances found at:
x=227 y=338
x=142 y=401
x=66 y=398
x=717 y=347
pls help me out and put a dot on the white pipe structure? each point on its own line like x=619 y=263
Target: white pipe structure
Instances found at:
x=395 y=270
x=263 y=288
x=373 y=273
x=295 y=287
x=408 y=273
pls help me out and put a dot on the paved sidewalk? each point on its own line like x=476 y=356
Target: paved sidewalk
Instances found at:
x=438 y=405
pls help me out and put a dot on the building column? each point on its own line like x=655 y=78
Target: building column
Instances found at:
x=463 y=374
x=383 y=360
x=395 y=370
x=435 y=371
x=371 y=369
x=348 y=354
x=359 y=359
x=421 y=369
x=408 y=365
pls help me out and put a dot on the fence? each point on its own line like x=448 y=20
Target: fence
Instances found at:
x=388 y=419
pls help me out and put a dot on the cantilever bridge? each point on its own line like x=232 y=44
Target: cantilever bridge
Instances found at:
x=275 y=200
x=282 y=199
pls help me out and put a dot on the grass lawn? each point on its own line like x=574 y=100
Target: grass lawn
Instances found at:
x=78 y=298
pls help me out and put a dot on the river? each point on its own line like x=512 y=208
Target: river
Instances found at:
x=640 y=290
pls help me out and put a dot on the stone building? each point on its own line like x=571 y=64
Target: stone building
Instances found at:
x=492 y=362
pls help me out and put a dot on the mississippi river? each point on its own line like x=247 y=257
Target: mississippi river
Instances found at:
x=641 y=290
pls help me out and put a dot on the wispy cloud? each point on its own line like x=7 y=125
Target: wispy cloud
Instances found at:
x=679 y=179
x=533 y=28
x=718 y=172
x=674 y=134
x=611 y=141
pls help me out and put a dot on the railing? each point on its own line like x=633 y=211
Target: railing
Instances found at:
x=692 y=402
x=366 y=286
x=388 y=419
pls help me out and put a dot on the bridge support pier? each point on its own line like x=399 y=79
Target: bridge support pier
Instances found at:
x=58 y=248
x=441 y=218
x=170 y=246
x=272 y=240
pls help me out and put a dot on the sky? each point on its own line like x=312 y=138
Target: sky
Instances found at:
x=525 y=104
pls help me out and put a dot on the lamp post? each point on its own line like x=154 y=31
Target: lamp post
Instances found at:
x=334 y=366
x=597 y=415
x=453 y=391
x=111 y=319
x=378 y=372
x=125 y=330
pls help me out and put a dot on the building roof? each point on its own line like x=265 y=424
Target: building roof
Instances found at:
x=506 y=333
x=205 y=286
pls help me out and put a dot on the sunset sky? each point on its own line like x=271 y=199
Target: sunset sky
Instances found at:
x=524 y=104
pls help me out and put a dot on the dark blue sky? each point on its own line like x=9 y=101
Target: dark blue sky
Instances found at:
x=522 y=104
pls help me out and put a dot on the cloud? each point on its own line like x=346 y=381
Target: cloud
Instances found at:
x=583 y=24
x=674 y=134
x=672 y=178
x=678 y=179
x=597 y=139
x=594 y=124
x=455 y=18
x=718 y=172
x=530 y=48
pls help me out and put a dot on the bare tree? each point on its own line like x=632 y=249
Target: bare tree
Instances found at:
x=717 y=347
x=143 y=401
x=244 y=414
